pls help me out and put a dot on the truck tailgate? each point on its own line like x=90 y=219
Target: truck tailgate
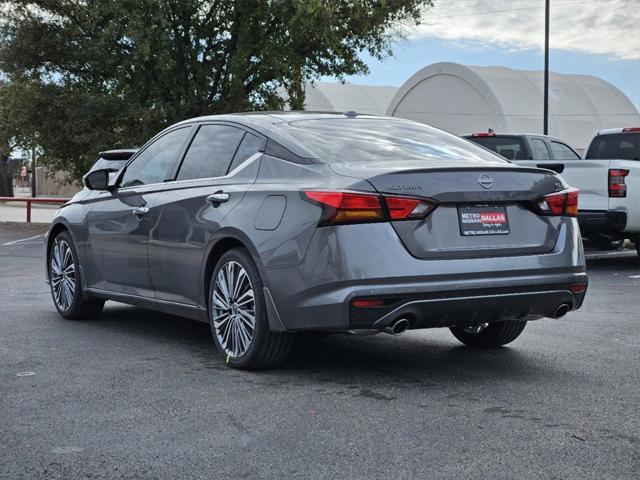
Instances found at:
x=591 y=177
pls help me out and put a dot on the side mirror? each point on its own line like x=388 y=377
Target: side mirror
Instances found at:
x=97 y=180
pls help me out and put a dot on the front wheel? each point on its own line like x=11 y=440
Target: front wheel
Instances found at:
x=238 y=315
x=66 y=283
x=486 y=335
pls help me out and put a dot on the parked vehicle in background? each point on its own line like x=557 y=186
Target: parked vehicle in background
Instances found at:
x=608 y=177
x=113 y=160
x=266 y=225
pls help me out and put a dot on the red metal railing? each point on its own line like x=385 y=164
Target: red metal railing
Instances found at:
x=30 y=200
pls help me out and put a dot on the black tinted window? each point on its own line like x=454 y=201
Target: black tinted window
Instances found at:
x=563 y=152
x=155 y=163
x=211 y=152
x=623 y=146
x=335 y=140
x=540 y=150
x=249 y=146
x=511 y=148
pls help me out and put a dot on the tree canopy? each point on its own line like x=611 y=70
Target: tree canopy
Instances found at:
x=86 y=75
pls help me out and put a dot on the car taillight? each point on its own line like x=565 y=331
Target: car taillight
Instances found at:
x=563 y=203
x=407 y=208
x=631 y=129
x=483 y=134
x=341 y=208
x=617 y=186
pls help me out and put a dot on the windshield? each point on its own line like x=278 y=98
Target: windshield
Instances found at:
x=617 y=146
x=337 y=140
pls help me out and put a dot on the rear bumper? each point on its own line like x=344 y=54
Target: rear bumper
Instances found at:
x=447 y=309
x=601 y=221
x=369 y=261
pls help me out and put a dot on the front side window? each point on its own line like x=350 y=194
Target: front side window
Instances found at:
x=511 y=148
x=155 y=163
x=211 y=152
x=540 y=150
x=563 y=152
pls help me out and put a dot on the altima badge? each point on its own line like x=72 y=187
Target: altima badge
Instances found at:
x=485 y=181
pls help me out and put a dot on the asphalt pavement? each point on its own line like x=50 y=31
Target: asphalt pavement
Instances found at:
x=142 y=395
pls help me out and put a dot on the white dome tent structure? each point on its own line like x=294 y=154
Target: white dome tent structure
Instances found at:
x=344 y=97
x=464 y=99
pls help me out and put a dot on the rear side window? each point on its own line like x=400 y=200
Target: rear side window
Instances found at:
x=511 y=148
x=563 y=152
x=210 y=152
x=249 y=146
x=540 y=150
x=617 y=146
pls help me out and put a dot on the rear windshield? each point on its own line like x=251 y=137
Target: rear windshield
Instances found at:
x=511 y=148
x=337 y=140
x=617 y=146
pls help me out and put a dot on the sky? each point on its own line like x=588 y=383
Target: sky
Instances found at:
x=592 y=37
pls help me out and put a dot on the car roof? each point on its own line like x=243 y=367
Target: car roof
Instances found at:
x=266 y=123
x=611 y=131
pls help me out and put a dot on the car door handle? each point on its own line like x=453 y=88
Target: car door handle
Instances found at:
x=218 y=197
x=140 y=212
x=556 y=167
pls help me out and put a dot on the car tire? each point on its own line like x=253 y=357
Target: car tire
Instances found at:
x=490 y=335
x=601 y=242
x=238 y=315
x=66 y=282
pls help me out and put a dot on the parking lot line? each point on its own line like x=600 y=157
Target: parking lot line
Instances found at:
x=21 y=240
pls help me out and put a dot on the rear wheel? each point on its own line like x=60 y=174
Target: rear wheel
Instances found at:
x=602 y=242
x=487 y=335
x=238 y=315
x=66 y=283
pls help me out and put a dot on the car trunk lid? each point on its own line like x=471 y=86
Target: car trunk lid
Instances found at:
x=482 y=211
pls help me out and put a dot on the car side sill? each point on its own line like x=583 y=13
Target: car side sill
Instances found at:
x=193 y=312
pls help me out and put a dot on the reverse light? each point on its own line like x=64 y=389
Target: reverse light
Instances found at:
x=341 y=208
x=617 y=186
x=564 y=203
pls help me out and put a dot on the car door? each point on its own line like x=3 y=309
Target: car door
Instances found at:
x=218 y=167
x=118 y=221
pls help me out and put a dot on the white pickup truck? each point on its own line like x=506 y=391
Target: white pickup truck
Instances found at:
x=608 y=177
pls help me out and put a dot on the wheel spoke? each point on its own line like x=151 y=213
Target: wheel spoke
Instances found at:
x=221 y=283
x=67 y=258
x=248 y=295
x=239 y=283
x=229 y=267
x=219 y=301
x=248 y=316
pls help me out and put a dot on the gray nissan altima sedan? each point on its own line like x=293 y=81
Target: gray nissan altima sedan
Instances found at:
x=267 y=225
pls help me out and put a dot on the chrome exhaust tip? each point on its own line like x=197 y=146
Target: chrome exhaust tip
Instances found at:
x=397 y=327
x=561 y=311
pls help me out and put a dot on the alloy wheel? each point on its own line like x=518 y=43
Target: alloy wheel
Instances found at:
x=63 y=274
x=233 y=306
